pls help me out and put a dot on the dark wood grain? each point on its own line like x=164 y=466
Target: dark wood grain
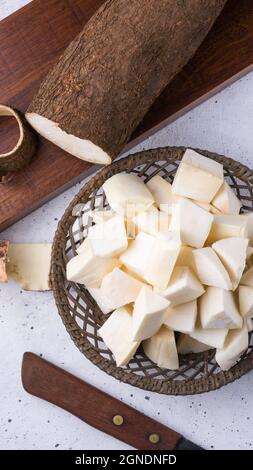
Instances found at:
x=96 y=408
x=32 y=39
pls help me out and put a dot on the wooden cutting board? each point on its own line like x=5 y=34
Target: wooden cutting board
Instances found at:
x=31 y=40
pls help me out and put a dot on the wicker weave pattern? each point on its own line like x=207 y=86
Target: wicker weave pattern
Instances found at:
x=80 y=314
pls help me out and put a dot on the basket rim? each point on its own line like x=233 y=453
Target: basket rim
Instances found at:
x=163 y=386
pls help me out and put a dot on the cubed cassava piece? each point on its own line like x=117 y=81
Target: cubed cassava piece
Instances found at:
x=116 y=333
x=109 y=76
x=235 y=344
x=182 y=317
x=161 y=349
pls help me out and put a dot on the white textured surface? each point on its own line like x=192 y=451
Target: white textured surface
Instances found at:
x=29 y=321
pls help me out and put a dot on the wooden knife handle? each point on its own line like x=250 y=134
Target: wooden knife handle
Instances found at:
x=49 y=382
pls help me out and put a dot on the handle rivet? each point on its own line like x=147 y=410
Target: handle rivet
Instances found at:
x=118 y=420
x=154 y=438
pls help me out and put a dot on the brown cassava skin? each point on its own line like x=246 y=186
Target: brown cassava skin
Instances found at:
x=4 y=246
x=109 y=76
x=21 y=156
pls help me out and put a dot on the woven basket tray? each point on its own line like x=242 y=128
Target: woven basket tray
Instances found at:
x=82 y=317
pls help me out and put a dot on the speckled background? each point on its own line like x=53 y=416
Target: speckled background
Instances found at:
x=29 y=321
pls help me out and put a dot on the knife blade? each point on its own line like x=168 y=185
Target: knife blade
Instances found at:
x=98 y=409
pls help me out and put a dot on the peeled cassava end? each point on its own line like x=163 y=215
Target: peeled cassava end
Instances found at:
x=80 y=148
x=4 y=246
x=29 y=265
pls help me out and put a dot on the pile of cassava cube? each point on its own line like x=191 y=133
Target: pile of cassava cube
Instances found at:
x=166 y=258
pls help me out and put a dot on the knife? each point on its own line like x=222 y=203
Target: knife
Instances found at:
x=98 y=409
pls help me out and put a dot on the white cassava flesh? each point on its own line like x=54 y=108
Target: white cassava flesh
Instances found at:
x=203 y=205
x=226 y=201
x=81 y=148
x=109 y=238
x=148 y=314
x=120 y=288
x=161 y=191
x=101 y=299
x=210 y=269
x=136 y=256
x=88 y=269
x=214 y=337
x=161 y=349
x=246 y=301
x=152 y=258
x=116 y=332
x=117 y=289
x=185 y=257
x=197 y=177
x=235 y=345
x=193 y=222
x=162 y=259
x=152 y=221
x=232 y=253
x=182 y=317
x=217 y=309
x=249 y=217
x=99 y=216
x=183 y=287
x=127 y=194
x=29 y=265
x=228 y=226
